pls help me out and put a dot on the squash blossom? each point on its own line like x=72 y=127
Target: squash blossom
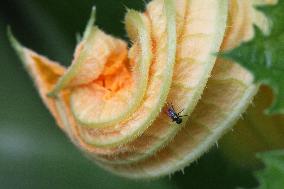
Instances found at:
x=111 y=101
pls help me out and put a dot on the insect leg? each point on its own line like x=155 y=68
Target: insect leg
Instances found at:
x=182 y=115
x=173 y=107
x=180 y=112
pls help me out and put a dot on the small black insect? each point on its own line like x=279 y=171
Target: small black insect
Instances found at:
x=176 y=117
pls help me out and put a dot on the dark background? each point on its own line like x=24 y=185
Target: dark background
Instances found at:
x=34 y=153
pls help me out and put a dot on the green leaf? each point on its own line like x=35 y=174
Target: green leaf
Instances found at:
x=264 y=56
x=272 y=176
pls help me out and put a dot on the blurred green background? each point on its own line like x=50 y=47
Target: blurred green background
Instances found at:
x=34 y=153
